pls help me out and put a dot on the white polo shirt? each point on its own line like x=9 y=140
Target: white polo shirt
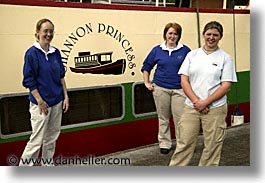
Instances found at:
x=206 y=72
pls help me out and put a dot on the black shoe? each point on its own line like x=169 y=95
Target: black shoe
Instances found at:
x=164 y=151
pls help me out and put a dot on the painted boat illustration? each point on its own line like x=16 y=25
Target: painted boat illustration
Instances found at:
x=99 y=63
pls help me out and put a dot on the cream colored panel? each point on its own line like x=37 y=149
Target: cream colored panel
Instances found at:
x=130 y=35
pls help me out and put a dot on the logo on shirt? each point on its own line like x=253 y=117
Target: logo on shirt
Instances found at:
x=180 y=57
x=214 y=64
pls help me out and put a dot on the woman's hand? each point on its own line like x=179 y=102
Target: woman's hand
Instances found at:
x=43 y=107
x=201 y=106
x=149 y=86
x=65 y=104
x=205 y=110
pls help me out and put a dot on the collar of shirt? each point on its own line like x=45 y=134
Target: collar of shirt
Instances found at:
x=51 y=49
x=164 y=47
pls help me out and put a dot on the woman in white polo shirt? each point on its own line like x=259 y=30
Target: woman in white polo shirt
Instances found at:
x=206 y=76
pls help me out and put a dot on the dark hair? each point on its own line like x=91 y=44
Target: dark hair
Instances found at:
x=213 y=25
x=175 y=26
x=39 y=23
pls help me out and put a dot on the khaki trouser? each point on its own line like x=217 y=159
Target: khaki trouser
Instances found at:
x=45 y=131
x=214 y=129
x=168 y=102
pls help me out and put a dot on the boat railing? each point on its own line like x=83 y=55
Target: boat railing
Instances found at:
x=86 y=61
x=128 y=2
x=226 y=4
x=132 y=2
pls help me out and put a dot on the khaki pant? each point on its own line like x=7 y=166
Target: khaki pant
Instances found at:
x=168 y=102
x=214 y=129
x=45 y=131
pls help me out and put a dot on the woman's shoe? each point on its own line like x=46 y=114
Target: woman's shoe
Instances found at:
x=164 y=151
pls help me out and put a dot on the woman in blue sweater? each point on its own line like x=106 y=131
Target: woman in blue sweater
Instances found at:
x=166 y=85
x=44 y=77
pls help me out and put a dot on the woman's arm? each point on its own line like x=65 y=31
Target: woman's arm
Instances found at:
x=187 y=88
x=66 y=99
x=43 y=106
x=191 y=95
x=147 y=82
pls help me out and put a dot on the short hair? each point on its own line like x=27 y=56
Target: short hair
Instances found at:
x=39 y=23
x=175 y=26
x=213 y=25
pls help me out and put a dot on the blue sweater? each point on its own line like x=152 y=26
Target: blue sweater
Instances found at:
x=166 y=73
x=44 y=75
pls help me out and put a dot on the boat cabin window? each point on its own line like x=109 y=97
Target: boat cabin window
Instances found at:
x=14 y=114
x=143 y=101
x=93 y=105
x=104 y=58
x=87 y=106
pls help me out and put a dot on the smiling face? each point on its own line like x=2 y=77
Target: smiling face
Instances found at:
x=172 y=34
x=45 y=33
x=171 y=37
x=212 y=38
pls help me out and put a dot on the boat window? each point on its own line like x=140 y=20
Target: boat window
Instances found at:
x=106 y=57
x=14 y=114
x=93 y=105
x=87 y=106
x=143 y=101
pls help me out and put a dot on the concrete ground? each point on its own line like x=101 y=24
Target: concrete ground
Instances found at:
x=235 y=152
